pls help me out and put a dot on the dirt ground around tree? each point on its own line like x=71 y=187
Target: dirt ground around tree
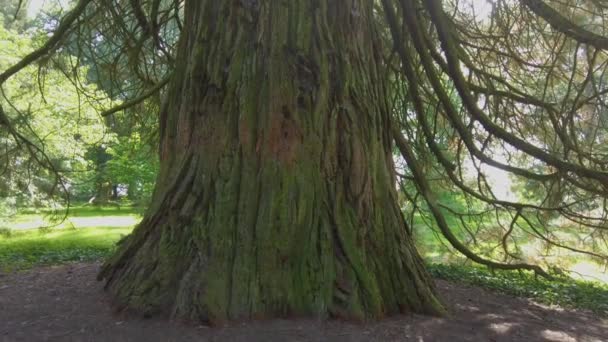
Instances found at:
x=66 y=303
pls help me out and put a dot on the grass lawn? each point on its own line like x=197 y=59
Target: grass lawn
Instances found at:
x=79 y=217
x=88 y=234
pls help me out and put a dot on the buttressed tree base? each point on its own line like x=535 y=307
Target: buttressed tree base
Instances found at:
x=276 y=195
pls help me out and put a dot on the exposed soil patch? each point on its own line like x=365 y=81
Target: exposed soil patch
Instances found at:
x=65 y=303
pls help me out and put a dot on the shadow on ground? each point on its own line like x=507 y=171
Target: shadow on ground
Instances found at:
x=66 y=304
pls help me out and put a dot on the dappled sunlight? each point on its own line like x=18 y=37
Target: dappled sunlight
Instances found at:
x=83 y=307
x=555 y=308
x=36 y=221
x=501 y=328
x=493 y=316
x=470 y=308
x=531 y=250
x=553 y=335
x=63 y=239
x=105 y=221
x=588 y=270
x=96 y=232
x=90 y=232
x=573 y=264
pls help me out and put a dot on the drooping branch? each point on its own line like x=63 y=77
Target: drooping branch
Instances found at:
x=565 y=26
x=139 y=99
x=64 y=27
x=417 y=172
x=426 y=88
x=445 y=36
x=430 y=198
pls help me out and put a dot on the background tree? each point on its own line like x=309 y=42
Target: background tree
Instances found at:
x=57 y=128
x=56 y=106
x=14 y=14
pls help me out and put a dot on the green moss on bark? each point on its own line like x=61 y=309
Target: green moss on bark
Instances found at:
x=276 y=193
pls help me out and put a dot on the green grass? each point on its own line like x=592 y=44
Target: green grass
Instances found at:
x=563 y=291
x=89 y=234
x=79 y=217
x=23 y=250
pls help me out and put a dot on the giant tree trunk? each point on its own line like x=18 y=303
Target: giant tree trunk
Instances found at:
x=276 y=191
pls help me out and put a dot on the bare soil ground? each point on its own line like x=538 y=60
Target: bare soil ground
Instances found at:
x=65 y=303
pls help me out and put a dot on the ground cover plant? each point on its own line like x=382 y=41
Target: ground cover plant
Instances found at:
x=87 y=234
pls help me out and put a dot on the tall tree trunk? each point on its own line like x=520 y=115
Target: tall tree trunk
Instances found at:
x=276 y=191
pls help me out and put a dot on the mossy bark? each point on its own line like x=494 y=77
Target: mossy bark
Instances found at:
x=276 y=191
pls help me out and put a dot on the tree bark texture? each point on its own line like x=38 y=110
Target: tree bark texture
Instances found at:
x=276 y=191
